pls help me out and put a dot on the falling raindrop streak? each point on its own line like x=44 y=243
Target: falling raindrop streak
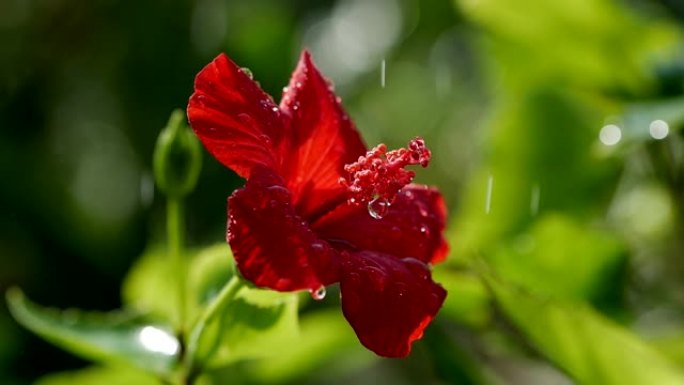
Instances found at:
x=382 y=73
x=488 y=201
x=378 y=208
x=534 y=199
x=318 y=294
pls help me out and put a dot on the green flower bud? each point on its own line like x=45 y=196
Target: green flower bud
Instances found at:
x=177 y=157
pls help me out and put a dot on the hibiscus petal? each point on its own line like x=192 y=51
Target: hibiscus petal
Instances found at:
x=413 y=226
x=322 y=140
x=388 y=301
x=237 y=122
x=272 y=245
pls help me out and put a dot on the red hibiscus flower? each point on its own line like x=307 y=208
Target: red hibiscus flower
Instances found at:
x=318 y=208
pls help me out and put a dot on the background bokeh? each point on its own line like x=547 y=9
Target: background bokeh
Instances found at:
x=556 y=130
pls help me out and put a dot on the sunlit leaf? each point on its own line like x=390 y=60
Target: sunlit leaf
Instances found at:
x=327 y=346
x=671 y=345
x=149 y=286
x=542 y=160
x=468 y=299
x=210 y=269
x=255 y=324
x=589 y=42
x=97 y=375
x=452 y=363
x=114 y=337
x=589 y=347
x=562 y=258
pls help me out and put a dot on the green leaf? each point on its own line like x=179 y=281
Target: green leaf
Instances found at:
x=453 y=364
x=149 y=286
x=468 y=300
x=538 y=38
x=210 y=269
x=255 y=324
x=671 y=344
x=97 y=375
x=150 y=281
x=588 y=346
x=327 y=344
x=115 y=337
x=535 y=170
x=577 y=261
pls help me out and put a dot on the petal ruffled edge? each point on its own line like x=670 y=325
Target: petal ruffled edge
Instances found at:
x=272 y=246
x=413 y=226
x=238 y=123
x=321 y=140
x=388 y=301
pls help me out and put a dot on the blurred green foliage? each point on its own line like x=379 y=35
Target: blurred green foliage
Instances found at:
x=566 y=251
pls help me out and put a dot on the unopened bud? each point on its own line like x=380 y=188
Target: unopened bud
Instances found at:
x=177 y=157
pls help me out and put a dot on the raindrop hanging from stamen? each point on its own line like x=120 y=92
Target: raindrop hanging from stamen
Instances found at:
x=318 y=294
x=378 y=208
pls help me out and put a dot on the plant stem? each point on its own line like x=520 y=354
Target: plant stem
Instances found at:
x=225 y=296
x=175 y=229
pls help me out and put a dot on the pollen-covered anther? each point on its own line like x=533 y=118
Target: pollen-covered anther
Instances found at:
x=381 y=174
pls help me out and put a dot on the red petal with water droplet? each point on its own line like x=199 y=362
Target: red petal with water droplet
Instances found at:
x=237 y=122
x=388 y=301
x=272 y=245
x=322 y=139
x=413 y=226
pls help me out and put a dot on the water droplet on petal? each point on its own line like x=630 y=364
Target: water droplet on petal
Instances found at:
x=201 y=99
x=317 y=247
x=318 y=294
x=247 y=120
x=265 y=138
x=378 y=208
x=279 y=193
x=422 y=209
